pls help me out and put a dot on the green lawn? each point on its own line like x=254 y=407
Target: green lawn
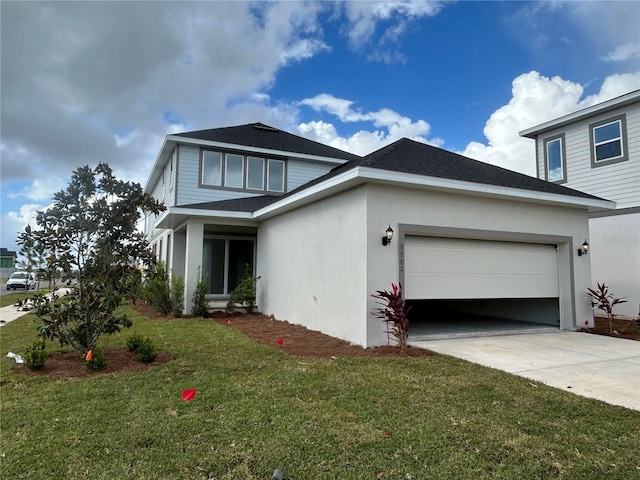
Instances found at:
x=258 y=409
x=10 y=298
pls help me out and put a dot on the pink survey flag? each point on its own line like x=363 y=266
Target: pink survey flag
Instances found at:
x=188 y=395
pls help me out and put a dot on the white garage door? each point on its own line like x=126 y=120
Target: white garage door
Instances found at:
x=453 y=268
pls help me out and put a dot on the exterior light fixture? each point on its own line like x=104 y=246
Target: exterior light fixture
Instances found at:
x=388 y=235
x=584 y=249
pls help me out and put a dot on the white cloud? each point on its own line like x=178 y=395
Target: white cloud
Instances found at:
x=535 y=100
x=391 y=17
x=389 y=126
x=623 y=53
x=14 y=223
x=40 y=189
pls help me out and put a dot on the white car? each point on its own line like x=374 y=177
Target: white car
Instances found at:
x=22 y=280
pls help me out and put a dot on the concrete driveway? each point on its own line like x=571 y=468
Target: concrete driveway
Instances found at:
x=595 y=366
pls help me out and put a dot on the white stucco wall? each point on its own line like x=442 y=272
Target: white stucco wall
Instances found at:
x=320 y=263
x=312 y=263
x=478 y=216
x=615 y=258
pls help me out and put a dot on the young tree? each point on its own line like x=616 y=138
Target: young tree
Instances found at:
x=89 y=234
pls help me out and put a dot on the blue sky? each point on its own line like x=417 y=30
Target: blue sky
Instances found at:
x=84 y=82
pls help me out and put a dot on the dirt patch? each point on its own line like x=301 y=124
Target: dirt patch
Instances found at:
x=620 y=328
x=291 y=339
x=300 y=341
x=73 y=365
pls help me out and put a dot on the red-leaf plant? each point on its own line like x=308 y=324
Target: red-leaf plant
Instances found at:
x=394 y=312
x=605 y=301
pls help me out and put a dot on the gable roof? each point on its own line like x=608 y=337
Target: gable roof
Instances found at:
x=410 y=157
x=259 y=135
x=597 y=109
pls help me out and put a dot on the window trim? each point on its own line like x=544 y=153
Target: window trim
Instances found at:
x=622 y=119
x=243 y=160
x=563 y=155
x=264 y=173
x=201 y=170
x=284 y=174
x=245 y=156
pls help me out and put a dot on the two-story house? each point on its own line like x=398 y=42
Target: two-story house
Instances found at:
x=597 y=150
x=325 y=229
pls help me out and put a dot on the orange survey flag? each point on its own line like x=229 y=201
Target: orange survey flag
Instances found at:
x=89 y=355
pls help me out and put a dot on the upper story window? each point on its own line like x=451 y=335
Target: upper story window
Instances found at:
x=608 y=139
x=554 y=159
x=242 y=172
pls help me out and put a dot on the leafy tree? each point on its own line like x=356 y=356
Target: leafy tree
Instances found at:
x=89 y=235
x=34 y=257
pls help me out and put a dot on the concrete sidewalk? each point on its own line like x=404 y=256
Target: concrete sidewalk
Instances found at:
x=10 y=313
x=594 y=366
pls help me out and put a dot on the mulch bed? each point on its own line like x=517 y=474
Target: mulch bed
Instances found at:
x=628 y=329
x=287 y=337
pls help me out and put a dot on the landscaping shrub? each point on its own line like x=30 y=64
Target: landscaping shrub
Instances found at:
x=143 y=348
x=245 y=293
x=177 y=295
x=35 y=354
x=604 y=300
x=200 y=307
x=158 y=289
x=97 y=360
x=134 y=341
x=394 y=312
x=146 y=352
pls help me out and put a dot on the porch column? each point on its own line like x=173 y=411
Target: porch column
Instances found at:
x=192 y=260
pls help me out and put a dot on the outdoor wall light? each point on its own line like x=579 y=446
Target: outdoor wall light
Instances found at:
x=388 y=235
x=584 y=249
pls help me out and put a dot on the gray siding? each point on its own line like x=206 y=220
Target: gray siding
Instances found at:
x=300 y=172
x=619 y=182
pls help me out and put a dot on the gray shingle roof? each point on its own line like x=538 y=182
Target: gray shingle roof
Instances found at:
x=263 y=136
x=409 y=156
x=246 y=204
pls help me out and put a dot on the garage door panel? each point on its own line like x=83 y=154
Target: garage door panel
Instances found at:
x=450 y=268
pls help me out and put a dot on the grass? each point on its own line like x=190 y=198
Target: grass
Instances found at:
x=258 y=409
x=7 y=298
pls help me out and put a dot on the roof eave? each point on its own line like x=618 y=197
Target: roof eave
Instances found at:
x=174 y=216
x=359 y=175
x=265 y=151
x=613 y=104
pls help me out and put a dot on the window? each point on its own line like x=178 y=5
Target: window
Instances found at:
x=211 y=168
x=255 y=173
x=554 y=159
x=608 y=141
x=275 y=176
x=236 y=171
x=224 y=261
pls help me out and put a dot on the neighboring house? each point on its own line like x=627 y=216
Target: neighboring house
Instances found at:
x=597 y=151
x=468 y=236
x=7 y=263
